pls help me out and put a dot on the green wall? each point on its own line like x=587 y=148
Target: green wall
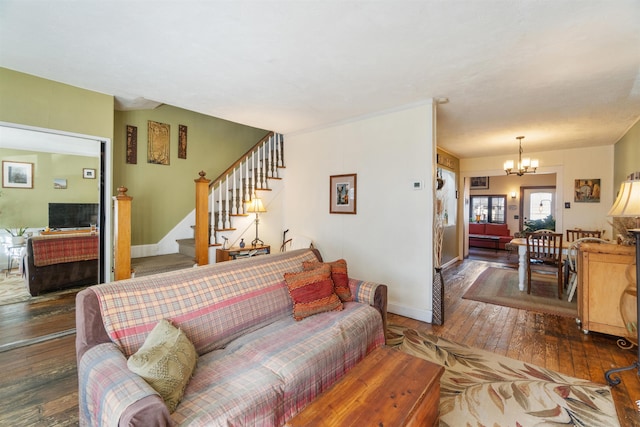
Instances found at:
x=164 y=194
x=626 y=158
x=29 y=207
x=30 y=100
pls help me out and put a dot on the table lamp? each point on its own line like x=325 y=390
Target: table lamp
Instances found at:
x=255 y=205
x=627 y=205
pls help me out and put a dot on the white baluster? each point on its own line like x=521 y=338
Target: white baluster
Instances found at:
x=212 y=220
x=269 y=156
x=253 y=175
x=234 y=200
x=259 y=172
x=227 y=223
x=220 y=223
x=264 y=162
x=276 y=153
x=247 y=194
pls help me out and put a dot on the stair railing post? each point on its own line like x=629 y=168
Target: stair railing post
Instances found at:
x=234 y=200
x=247 y=191
x=269 y=156
x=202 y=222
x=220 y=220
x=122 y=234
x=227 y=222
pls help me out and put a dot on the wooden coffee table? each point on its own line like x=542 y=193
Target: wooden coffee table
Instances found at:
x=388 y=388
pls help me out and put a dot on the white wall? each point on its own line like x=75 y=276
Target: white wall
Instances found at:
x=569 y=165
x=389 y=240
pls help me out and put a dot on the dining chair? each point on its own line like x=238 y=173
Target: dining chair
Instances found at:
x=572 y=262
x=577 y=233
x=544 y=254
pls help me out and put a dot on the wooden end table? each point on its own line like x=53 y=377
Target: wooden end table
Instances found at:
x=388 y=388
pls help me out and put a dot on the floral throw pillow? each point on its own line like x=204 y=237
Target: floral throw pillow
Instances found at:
x=312 y=292
x=339 y=276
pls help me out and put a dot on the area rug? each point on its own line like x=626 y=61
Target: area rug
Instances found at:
x=12 y=289
x=500 y=286
x=480 y=388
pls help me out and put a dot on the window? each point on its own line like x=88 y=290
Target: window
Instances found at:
x=488 y=209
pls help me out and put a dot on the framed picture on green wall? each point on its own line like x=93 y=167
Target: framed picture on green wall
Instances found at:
x=17 y=174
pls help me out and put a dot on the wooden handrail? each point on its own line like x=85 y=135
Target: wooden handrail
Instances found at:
x=240 y=160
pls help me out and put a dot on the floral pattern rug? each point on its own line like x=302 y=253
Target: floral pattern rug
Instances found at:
x=480 y=388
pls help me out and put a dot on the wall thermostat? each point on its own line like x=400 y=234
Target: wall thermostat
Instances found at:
x=417 y=185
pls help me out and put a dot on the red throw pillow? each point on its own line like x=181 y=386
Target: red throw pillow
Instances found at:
x=338 y=275
x=312 y=292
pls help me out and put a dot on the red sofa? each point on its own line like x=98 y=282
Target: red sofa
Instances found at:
x=478 y=233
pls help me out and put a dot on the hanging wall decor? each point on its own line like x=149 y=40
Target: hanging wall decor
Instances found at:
x=182 y=142
x=132 y=145
x=342 y=194
x=587 y=191
x=158 y=143
x=17 y=174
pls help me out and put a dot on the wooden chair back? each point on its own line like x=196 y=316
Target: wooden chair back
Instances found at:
x=544 y=252
x=545 y=247
x=575 y=234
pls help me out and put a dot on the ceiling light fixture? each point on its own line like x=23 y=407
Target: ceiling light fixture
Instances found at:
x=525 y=165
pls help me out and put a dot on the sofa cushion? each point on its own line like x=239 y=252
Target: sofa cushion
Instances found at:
x=312 y=292
x=339 y=276
x=475 y=228
x=496 y=229
x=166 y=361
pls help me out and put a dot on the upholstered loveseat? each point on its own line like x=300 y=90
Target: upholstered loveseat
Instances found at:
x=484 y=235
x=256 y=364
x=58 y=262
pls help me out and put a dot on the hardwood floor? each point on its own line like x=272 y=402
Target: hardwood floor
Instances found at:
x=39 y=386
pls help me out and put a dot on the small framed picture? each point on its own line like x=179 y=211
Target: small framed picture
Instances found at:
x=479 y=183
x=88 y=173
x=17 y=174
x=342 y=194
x=59 y=183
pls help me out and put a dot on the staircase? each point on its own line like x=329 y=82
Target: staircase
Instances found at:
x=253 y=175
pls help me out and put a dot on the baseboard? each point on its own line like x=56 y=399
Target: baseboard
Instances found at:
x=413 y=313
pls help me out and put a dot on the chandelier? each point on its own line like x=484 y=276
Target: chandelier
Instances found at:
x=525 y=165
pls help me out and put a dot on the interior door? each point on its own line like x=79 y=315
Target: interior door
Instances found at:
x=537 y=203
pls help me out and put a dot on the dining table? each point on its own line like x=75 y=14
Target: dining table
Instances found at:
x=521 y=243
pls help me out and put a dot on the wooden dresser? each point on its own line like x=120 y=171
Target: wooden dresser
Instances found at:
x=601 y=281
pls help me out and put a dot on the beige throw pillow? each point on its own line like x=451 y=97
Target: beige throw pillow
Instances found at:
x=166 y=361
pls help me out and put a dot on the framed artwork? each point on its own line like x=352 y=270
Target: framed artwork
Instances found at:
x=59 y=183
x=132 y=145
x=158 y=143
x=182 y=142
x=342 y=194
x=88 y=173
x=479 y=183
x=17 y=174
x=587 y=190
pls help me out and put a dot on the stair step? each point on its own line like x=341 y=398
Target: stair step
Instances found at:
x=187 y=247
x=159 y=264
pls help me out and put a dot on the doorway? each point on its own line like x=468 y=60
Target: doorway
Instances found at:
x=537 y=203
x=63 y=164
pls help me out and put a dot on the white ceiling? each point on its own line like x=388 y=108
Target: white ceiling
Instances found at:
x=564 y=73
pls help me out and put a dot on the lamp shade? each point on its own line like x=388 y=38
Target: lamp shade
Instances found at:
x=627 y=203
x=256 y=206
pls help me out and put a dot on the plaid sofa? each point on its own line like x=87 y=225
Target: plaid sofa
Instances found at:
x=257 y=365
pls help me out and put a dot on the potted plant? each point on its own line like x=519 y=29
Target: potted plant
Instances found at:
x=17 y=234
